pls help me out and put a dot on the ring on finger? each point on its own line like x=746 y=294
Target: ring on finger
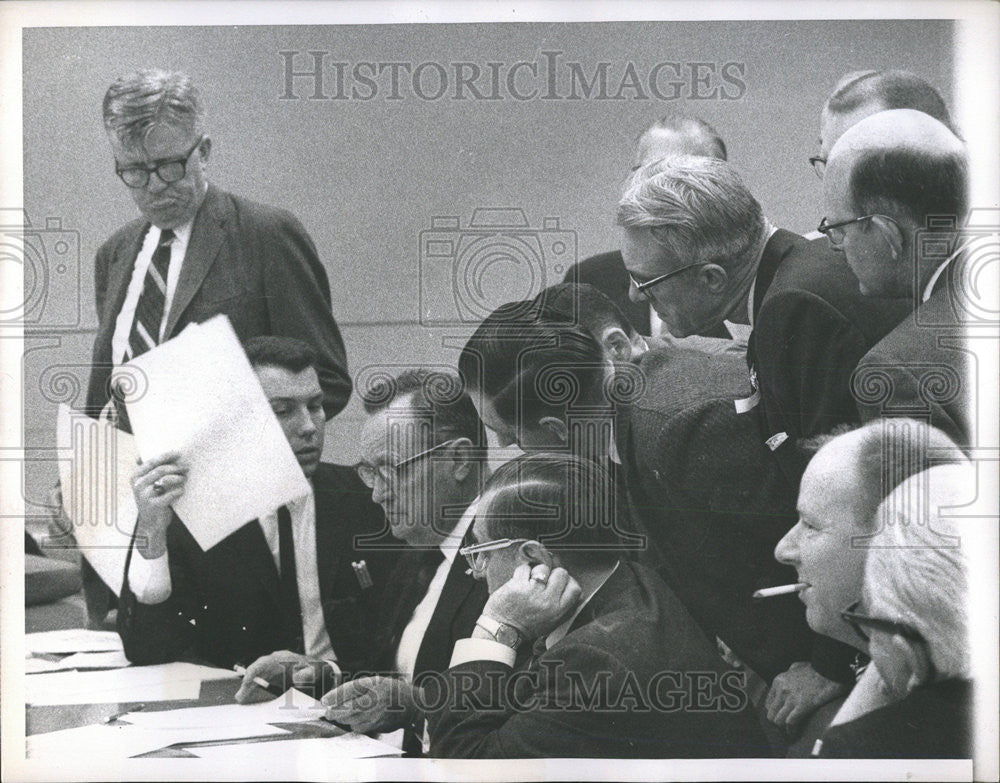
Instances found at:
x=158 y=488
x=540 y=579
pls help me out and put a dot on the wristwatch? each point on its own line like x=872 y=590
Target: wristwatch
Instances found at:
x=503 y=633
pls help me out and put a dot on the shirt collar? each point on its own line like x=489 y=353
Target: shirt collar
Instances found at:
x=770 y=230
x=562 y=629
x=452 y=541
x=929 y=288
x=181 y=233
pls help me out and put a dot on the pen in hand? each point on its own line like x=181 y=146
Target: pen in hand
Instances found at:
x=260 y=682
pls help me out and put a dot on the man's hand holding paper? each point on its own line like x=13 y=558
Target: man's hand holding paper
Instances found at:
x=157 y=484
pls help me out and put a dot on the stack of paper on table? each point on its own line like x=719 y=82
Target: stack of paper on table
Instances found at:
x=202 y=399
x=297 y=759
x=102 y=660
x=167 y=682
x=108 y=742
x=72 y=640
x=293 y=707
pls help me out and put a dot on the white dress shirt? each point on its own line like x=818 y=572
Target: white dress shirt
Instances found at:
x=413 y=635
x=178 y=249
x=150 y=581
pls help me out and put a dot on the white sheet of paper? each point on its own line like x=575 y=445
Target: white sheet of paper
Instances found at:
x=95 y=475
x=295 y=708
x=101 y=660
x=202 y=399
x=71 y=640
x=128 y=741
x=316 y=758
x=166 y=682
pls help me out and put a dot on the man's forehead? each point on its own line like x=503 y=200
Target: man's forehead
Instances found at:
x=282 y=383
x=832 y=477
x=397 y=428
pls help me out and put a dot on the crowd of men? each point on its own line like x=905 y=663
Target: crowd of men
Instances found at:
x=721 y=407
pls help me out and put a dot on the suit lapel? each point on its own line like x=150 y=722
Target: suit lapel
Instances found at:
x=119 y=276
x=435 y=647
x=254 y=554
x=207 y=236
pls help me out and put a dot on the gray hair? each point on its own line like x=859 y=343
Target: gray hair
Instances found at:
x=917 y=571
x=136 y=103
x=694 y=127
x=698 y=209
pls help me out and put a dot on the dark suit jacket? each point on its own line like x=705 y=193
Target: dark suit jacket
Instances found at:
x=634 y=678
x=225 y=607
x=252 y=262
x=606 y=272
x=921 y=370
x=713 y=503
x=811 y=327
x=932 y=722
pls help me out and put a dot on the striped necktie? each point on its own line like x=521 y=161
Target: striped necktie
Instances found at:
x=151 y=307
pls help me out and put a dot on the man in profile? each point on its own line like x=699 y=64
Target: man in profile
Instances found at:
x=284 y=583
x=673 y=134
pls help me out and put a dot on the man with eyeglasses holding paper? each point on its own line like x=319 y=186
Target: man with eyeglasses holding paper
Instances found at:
x=195 y=252
x=424 y=458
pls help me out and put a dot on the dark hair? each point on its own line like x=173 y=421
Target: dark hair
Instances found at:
x=688 y=123
x=558 y=500
x=584 y=304
x=916 y=183
x=289 y=353
x=440 y=395
x=892 y=90
x=530 y=367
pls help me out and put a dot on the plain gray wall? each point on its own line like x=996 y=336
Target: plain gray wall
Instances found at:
x=367 y=177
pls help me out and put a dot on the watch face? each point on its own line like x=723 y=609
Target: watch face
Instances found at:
x=508 y=635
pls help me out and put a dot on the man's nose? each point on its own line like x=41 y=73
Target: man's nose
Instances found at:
x=787 y=549
x=155 y=184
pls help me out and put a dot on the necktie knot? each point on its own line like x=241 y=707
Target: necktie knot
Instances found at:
x=166 y=237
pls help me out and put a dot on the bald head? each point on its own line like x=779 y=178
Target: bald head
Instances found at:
x=677 y=134
x=902 y=167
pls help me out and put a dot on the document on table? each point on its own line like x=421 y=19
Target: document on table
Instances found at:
x=127 y=741
x=72 y=640
x=293 y=707
x=297 y=759
x=202 y=399
x=102 y=660
x=167 y=682
x=95 y=475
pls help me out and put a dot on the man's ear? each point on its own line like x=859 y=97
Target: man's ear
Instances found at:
x=892 y=233
x=556 y=427
x=461 y=458
x=617 y=344
x=917 y=657
x=533 y=553
x=714 y=277
x=205 y=148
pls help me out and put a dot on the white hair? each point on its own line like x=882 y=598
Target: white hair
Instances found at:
x=698 y=209
x=917 y=571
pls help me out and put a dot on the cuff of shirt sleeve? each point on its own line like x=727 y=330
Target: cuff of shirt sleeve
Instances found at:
x=149 y=580
x=467 y=650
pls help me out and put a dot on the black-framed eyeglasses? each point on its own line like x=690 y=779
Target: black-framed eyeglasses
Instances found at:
x=171 y=170
x=835 y=231
x=390 y=472
x=475 y=554
x=818 y=162
x=857 y=619
x=643 y=287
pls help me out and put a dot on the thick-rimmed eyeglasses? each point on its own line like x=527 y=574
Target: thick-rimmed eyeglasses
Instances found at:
x=835 y=231
x=643 y=287
x=475 y=554
x=168 y=171
x=390 y=472
x=857 y=619
x=818 y=162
